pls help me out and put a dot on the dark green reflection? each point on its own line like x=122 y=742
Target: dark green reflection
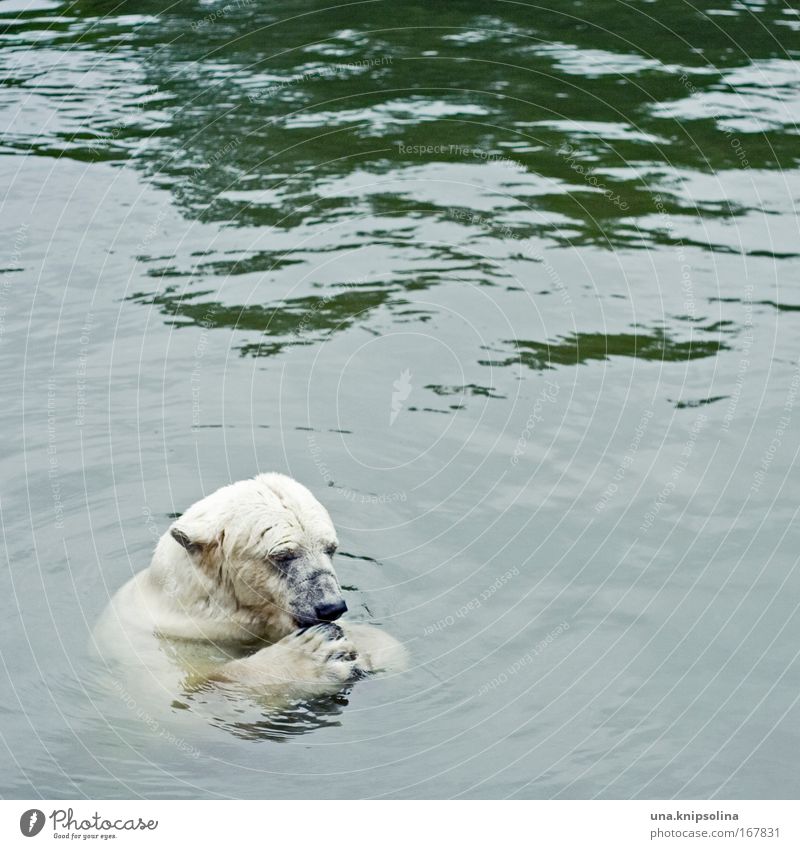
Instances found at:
x=601 y=102
x=578 y=348
x=296 y=321
x=424 y=129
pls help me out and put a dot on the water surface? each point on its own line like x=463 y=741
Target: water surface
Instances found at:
x=512 y=288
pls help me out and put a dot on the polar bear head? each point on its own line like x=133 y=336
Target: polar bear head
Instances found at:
x=263 y=549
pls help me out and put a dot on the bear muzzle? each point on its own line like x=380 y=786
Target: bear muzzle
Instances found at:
x=326 y=612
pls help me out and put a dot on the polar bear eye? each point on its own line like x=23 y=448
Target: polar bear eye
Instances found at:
x=283 y=558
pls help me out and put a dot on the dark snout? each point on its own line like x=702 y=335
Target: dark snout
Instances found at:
x=330 y=612
x=325 y=612
x=317 y=596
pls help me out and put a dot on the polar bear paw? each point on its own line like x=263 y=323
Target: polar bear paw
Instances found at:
x=331 y=654
x=316 y=660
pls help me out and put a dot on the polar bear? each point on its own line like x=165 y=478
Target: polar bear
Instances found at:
x=241 y=590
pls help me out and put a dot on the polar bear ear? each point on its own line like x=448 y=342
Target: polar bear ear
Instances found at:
x=182 y=538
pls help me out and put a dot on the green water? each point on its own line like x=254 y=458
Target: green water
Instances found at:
x=512 y=288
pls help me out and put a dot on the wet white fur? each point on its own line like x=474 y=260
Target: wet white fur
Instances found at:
x=198 y=615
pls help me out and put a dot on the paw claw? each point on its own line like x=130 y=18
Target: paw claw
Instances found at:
x=333 y=656
x=324 y=630
x=331 y=630
x=349 y=654
x=343 y=671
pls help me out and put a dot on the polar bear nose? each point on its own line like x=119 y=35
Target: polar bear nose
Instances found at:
x=330 y=612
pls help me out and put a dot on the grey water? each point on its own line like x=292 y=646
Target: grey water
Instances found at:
x=513 y=289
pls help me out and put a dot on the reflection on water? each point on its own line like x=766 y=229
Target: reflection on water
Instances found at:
x=582 y=347
x=298 y=321
x=239 y=713
x=233 y=231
